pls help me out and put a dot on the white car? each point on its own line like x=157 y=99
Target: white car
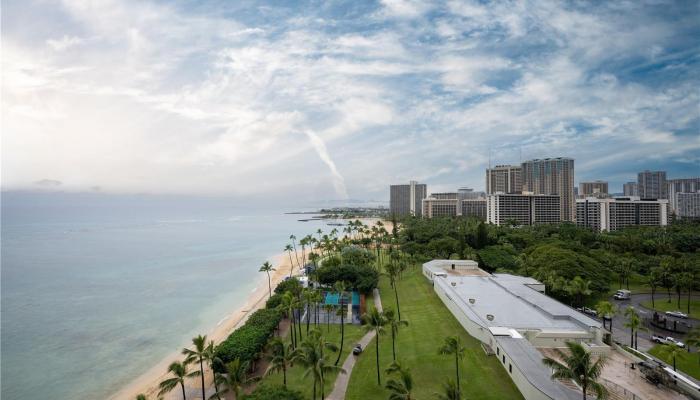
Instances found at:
x=588 y=311
x=667 y=340
x=676 y=314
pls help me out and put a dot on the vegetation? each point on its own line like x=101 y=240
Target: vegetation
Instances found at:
x=267 y=268
x=578 y=365
x=273 y=392
x=375 y=320
x=312 y=355
x=685 y=362
x=246 y=342
x=179 y=370
x=400 y=383
x=453 y=346
x=663 y=306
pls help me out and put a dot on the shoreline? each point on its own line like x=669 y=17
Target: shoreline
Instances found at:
x=147 y=382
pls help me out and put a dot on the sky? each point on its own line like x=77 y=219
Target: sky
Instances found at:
x=337 y=100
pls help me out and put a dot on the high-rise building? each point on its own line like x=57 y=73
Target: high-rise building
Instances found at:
x=688 y=205
x=450 y=205
x=504 y=179
x=552 y=176
x=407 y=199
x=630 y=189
x=469 y=193
x=594 y=188
x=523 y=209
x=474 y=208
x=676 y=186
x=613 y=214
x=652 y=185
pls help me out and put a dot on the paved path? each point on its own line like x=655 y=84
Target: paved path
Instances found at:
x=341 y=382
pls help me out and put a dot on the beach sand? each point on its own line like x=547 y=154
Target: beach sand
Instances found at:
x=147 y=383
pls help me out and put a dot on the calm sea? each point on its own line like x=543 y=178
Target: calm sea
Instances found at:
x=96 y=288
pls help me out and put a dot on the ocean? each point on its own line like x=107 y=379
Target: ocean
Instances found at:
x=96 y=289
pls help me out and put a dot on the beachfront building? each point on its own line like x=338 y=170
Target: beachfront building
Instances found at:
x=504 y=179
x=407 y=199
x=592 y=189
x=552 y=176
x=523 y=209
x=617 y=213
x=515 y=322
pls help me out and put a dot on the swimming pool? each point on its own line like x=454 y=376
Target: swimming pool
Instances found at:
x=332 y=298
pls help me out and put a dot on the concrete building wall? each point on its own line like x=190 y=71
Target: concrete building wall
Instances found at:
x=615 y=214
x=630 y=189
x=652 y=185
x=407 y=199
x=552 y=176
x=688 y=205
x=595 y=188
x=504 y=178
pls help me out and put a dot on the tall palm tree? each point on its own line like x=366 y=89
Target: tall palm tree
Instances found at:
x=653 y=280
x=392 y=271
x=310 y=355
x=395 y=324
x=633 y=322
x=607 y=311
x=453 y=345
x=267 y=268
x=280 y=358
x=401 y=386
x=329 y=309
x=179 y=369
x=198 y=354
x=294 y=245
x=308 y=296
x=288 y=249
x=234 y=379
x=579 y=367
x=374 y=321
x=340 y=288
x=214 y=363
x=449 y=391
x=288 y=305
x=670 y=351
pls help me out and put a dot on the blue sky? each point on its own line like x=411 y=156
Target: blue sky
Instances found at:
x=337 y=100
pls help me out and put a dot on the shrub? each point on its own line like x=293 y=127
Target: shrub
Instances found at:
x=249 y=340
x=357 y=256
x=289 y=285
x=273 y=392
x=361 y=278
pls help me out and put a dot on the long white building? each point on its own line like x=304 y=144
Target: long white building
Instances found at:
x=514 y=320
x=523 y=209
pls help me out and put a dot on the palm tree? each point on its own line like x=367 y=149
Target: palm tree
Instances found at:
x=294 y=244
x=653 y=280
x=267 y=268
x=606 y=310
x=308 y=295
x=633 y=322
x=375 y=321
x=395 y=324
x=670 y=350
x=214 y=362
x=280 y=358
x=288 y=305
x=401 y=386
x=392 y=271
x=179 y=369
x=234 y=379
x=579 y=367
x=198 y=354
x=340 y=288
x=141 y=397
x=310 y=355
x=693 y=339
x=288 y=249
x=578 y=288
x=453 y=345
x=449 y=391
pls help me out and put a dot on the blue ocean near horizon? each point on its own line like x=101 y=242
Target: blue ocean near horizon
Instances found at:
x=96 y=289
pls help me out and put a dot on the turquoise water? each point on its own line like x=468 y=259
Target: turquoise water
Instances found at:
x=332 y=298
x=96 y=289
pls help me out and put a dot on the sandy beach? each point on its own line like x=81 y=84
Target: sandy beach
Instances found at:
x=147 y=383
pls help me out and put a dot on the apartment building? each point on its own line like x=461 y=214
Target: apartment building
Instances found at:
x=614 y=214
x=523 y=209
x=677 y=186
x=593 y=188
x=630 y=189
x=652 y=185
x=688 y=205
x=504 y=179
x=552 y=176
x=407 y=199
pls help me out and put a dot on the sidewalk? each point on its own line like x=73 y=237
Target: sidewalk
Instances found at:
x=341 y=382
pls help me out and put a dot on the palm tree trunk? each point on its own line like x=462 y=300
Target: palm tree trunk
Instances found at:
x=284 y=374
x=342 y=334
x=182 y=385
x=379 y=379
x=584 y=387
x=636 y=339
x=269 y=284
x=308 y=317
x=201 y=373
x=291 y=264
x=314 y=388
x=459 y=390
x=632 y=337
x=398 y=309
x=301 y=337
x=393 y=347
x=611 y=329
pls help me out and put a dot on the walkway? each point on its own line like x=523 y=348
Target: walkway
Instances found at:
x=341 y=382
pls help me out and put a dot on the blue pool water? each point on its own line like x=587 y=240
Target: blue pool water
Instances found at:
x=333 y=298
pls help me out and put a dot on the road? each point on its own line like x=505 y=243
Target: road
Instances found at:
x=644 y=343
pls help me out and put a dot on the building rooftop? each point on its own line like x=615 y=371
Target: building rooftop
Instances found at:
x=504 y=300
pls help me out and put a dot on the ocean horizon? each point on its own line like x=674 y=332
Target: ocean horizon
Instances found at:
x=97 y=289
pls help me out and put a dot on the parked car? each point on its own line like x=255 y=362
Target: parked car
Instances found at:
x=677 y=314
x=667 y=340
x=357 y=349
x=588 y=311
x=622 y=295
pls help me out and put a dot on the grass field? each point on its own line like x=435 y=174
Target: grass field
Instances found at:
x=662 y=305
x=686 y=362
x=482 y=377
x=295 y=378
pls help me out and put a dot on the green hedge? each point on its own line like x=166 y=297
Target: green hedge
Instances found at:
x=273 y=392
x=246 y=342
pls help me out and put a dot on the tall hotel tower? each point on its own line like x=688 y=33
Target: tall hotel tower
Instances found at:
x=552 y=176
x=407 y=199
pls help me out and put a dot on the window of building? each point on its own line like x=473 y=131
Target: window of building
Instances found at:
x=510 y=368
x=504 y=359
x=498 y=351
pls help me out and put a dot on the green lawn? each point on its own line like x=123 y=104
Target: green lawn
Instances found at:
x=295 y=378
x=687 y=362
x=662 y=305
x=482 y=377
